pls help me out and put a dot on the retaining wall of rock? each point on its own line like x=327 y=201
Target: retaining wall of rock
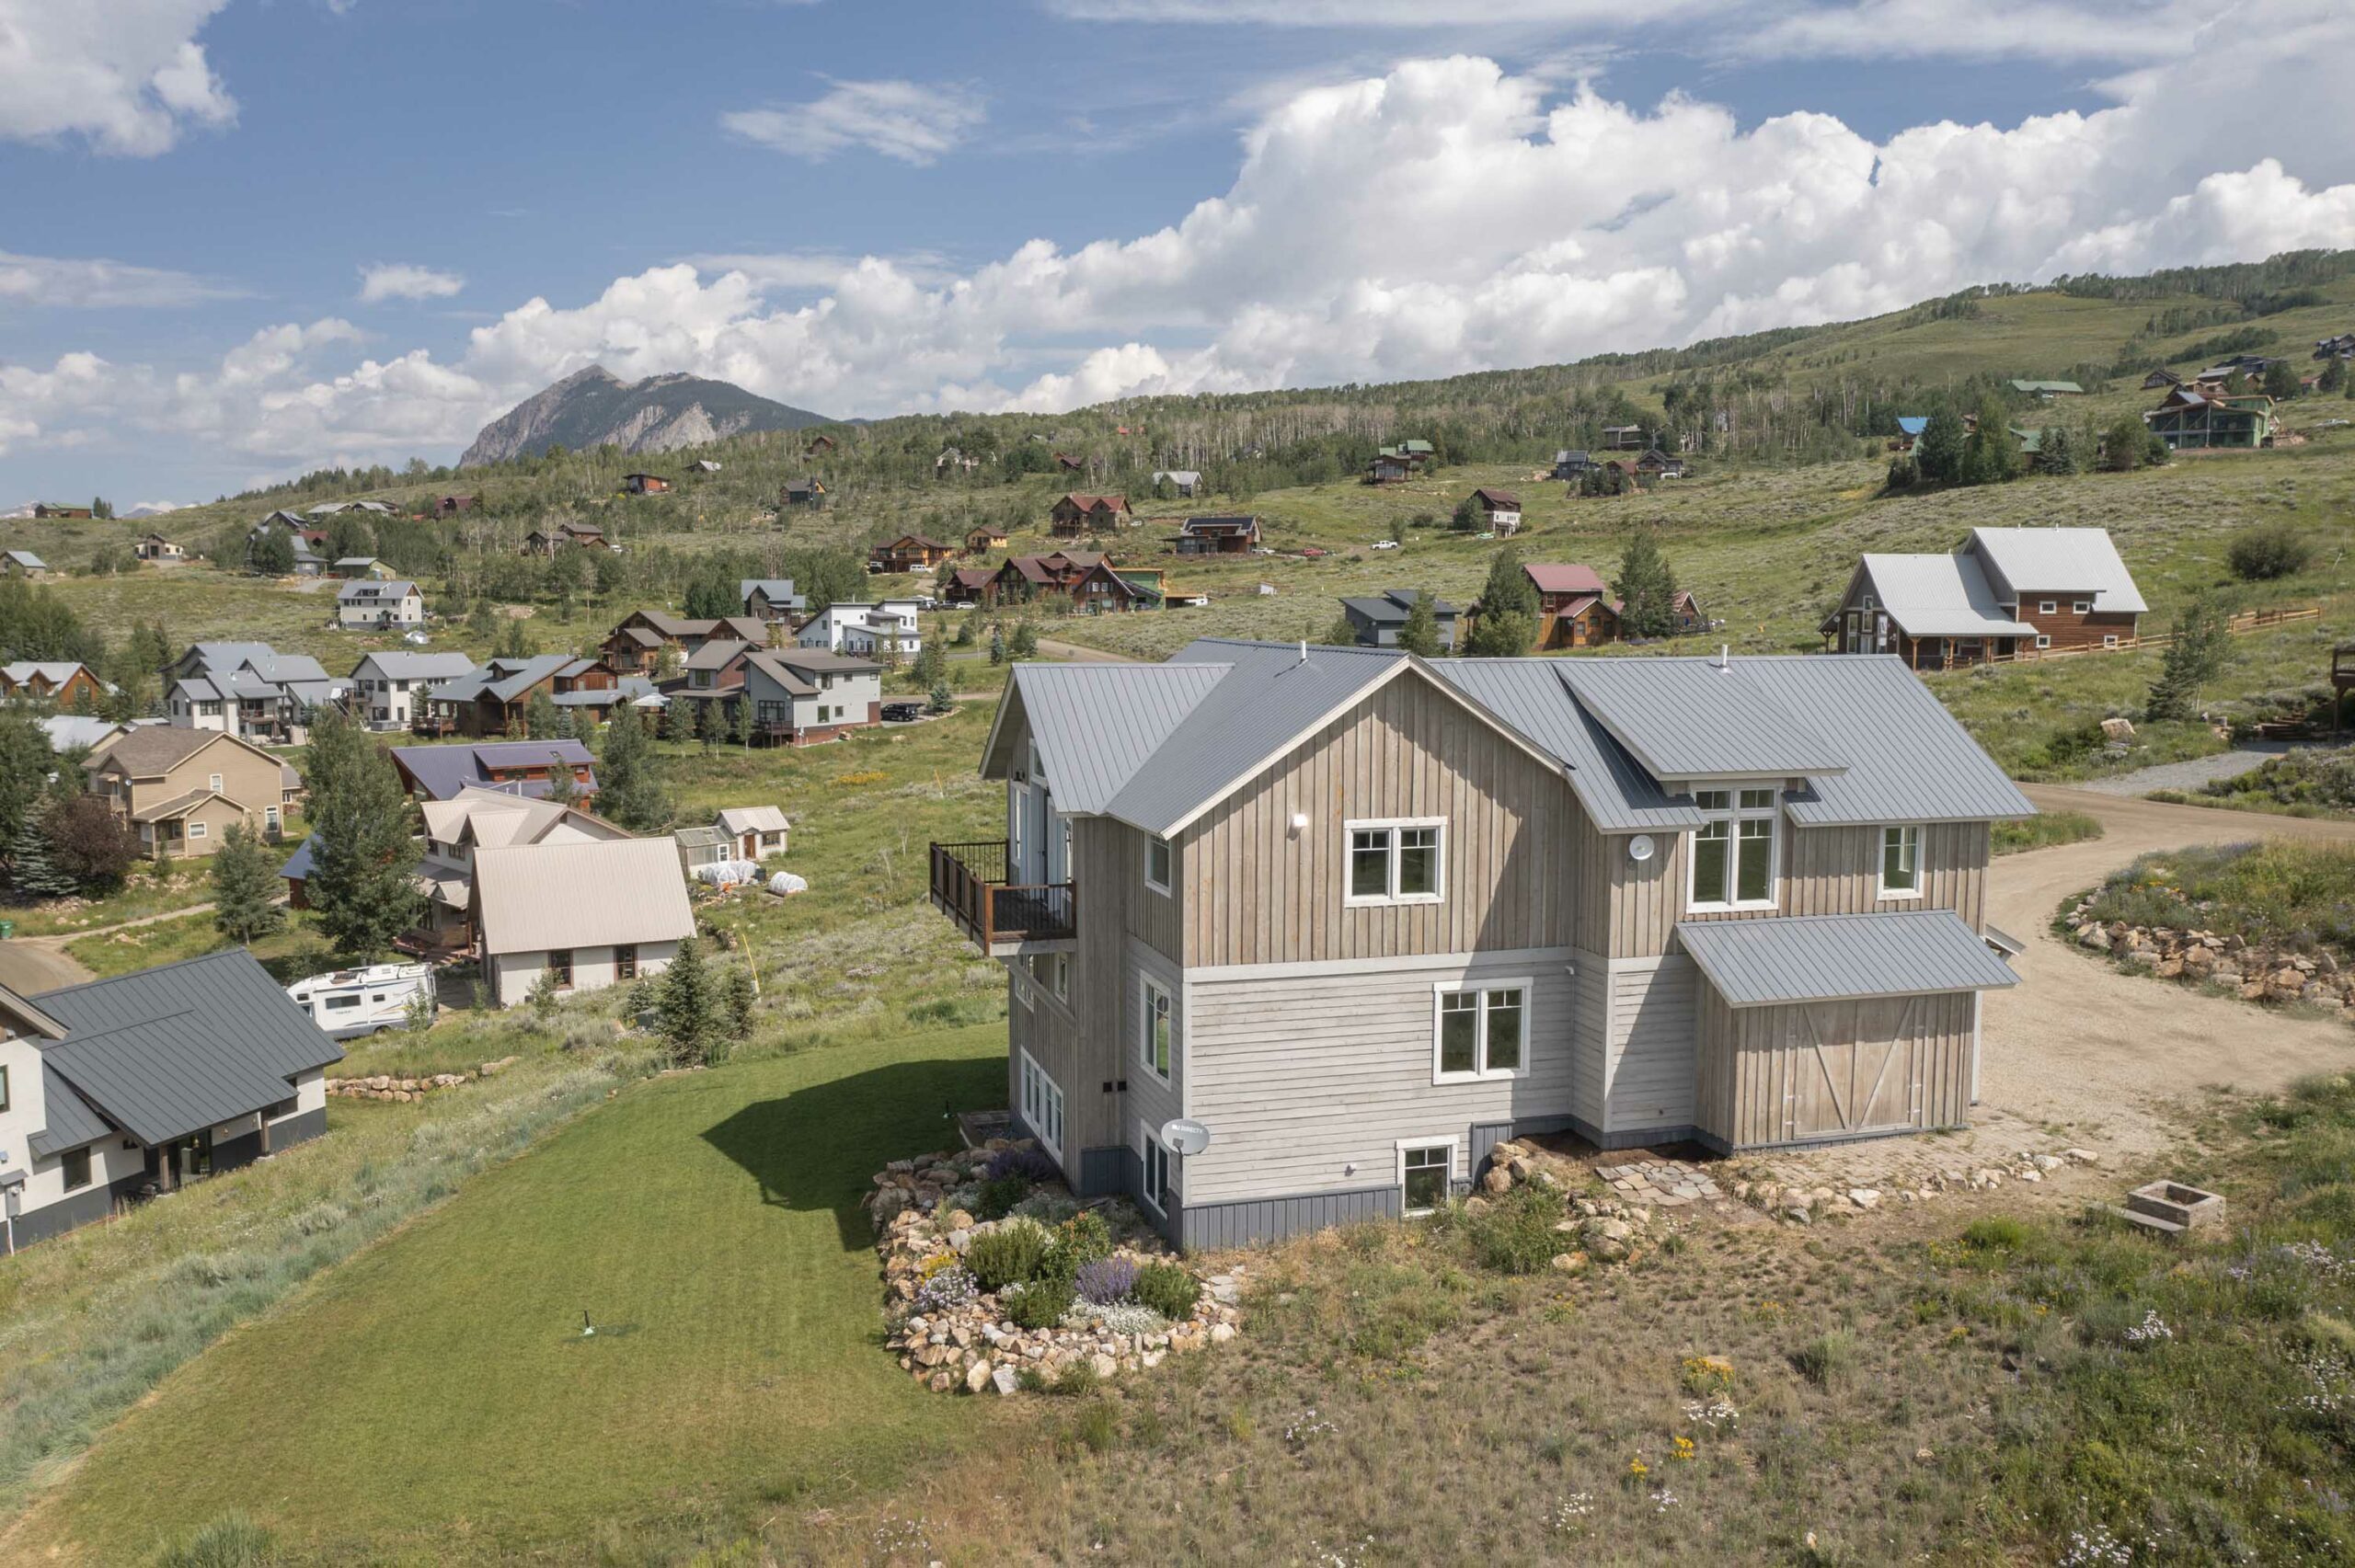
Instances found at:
x=2205 y=957
x=386 y=1086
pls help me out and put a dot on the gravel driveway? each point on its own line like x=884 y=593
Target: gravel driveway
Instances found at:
x=2190 y=775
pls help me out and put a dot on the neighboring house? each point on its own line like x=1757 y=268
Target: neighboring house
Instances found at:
x=1909 y=430
x=65 y=682
x=493 y=698
x=636 y=647
x=817 y=444
x=2048 y=390
x=2339 y=347
x=1069 y=464
x=888 y=628
x=2191 y=420
x=645 y=485
x=450 y=506
x=1216 y=537
x=1657 y=464
x=378 y=605
x=156 y=547
x=1572 y=463
x=247 y=688
x=122 y=1088
x=909 y=553
x=1394 y=464
x=1077 y=514
x=1377 y=619
x=57 y=509
x=2163 y=377
x=2005 y=589
x=981 y=541
x=542 y=542
x=802 y=695
x=1364 y=916
x=714 y=672
x=1500 y=509
x=755 y=831
x=387 y=689
x=352 y=566
x=520 y=768
x=1622 y=438
x=1025 y=580
x=801 y=493
x=1574 y=606
x=180 y=789
x=952 y=464
x=770 y=599
x=22 y=563
x=967 y=585
x=328 y=508
x=78 y=732
x=586 y=915
x=1184 y=482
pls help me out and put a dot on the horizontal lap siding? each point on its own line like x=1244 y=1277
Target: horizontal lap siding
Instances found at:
x=1589 y=1028
x=1649 y=1049
x=1300 y=1076
x=1823 y=871
x=1257 y=893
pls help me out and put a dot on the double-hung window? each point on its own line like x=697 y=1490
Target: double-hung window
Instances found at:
x=1423 y=1173
x=1480 y=1032
x=1733 y=850
x=1042 y=1106
x=1396 y=861
x=1901 y=863
x=1155 y=1028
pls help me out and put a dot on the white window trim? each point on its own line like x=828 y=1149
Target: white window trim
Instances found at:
x=1147 y=985
x=2042 y=640
x=1734 y=817
x=2048 y=606
x=1391 y=825
x=196 y=830
x=1168 y=851
x=2080 y=607
x=1152 y=1144
x=1035 y=1077
x=1449 y=1141
x=2110 y=639
x=1880 y=862
x=1484 y=1073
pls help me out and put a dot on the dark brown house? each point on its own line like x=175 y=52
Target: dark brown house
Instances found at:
x=2006 y=592
x=909 y=553
x=646 y=484
x=1077 y=514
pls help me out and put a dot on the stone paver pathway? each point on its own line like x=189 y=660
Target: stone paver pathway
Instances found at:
x=1666 y=1184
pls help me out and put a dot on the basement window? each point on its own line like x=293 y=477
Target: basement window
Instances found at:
x=75 y=1163
x=1424 y=1170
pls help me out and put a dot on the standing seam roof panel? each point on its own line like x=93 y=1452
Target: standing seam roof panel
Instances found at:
x=1801 y=958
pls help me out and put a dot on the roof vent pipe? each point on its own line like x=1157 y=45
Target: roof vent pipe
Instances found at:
x=1725 y=656
x=1304 y=650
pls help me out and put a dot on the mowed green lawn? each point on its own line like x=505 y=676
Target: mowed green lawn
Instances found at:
x=433 y=1400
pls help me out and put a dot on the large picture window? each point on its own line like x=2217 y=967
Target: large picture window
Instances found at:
x=1733 y=850
x=1042 y=1106
x=1481 y=1032
x=1396 y=861
x=1155 y=1027
x=1901 y=863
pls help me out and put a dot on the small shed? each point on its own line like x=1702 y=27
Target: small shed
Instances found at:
x=701 y=846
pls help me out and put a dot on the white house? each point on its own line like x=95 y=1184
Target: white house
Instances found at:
x=366 y=602
x=388 y=685
x=889 y=625
x=799 y=695
x=591 y=915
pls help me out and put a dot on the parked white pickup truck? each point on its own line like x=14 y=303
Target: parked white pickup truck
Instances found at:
x=350 y=1003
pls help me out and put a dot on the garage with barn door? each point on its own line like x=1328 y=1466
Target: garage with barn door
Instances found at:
x=1830 y=1027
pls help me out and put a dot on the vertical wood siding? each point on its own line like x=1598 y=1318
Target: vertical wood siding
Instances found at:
x=1824 y=871
x=1827 y=1071
x=1257 y=893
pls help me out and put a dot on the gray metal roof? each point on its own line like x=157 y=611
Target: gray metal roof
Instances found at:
x=1263 y=704
x=400 y=665
x=1754 y=963
x=1938 y=596
x=1094 y=730
x=1394 y=604
x=1694 y=718
x=68 y=1120
x=1909 y=758
x=2059 y=560
x=1529 y=695
x=165 y=1052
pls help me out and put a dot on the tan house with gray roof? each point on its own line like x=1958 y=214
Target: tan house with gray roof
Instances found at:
x=180 y=789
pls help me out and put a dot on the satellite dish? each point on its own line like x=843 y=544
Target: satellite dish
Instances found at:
x=1182 y=1134
x=1639 y=848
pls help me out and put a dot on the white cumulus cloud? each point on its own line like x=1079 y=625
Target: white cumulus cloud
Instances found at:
x=402 y=281
x=912 y=121
x=126 y=77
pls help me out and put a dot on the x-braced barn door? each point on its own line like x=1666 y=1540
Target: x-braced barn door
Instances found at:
x=1852 y=1068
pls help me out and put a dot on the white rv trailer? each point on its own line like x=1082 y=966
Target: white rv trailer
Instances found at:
x=350 y=1003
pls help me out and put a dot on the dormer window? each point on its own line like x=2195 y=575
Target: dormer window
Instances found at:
x=1733 y=850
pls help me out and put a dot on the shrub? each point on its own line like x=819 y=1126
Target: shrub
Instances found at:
x=1007 y=1256
x=1106 y=1281
x=1047 y=1206
x=1040 y=1304
x=997 y=1197
x=1826 y=1359
x=232 y=1540
x=1168 y=1288
x=1126 y=1318
x=1033 y=1165
x=1517 y=1235
x=2267 y=551
x=952 y=1286
x=1084 y=1238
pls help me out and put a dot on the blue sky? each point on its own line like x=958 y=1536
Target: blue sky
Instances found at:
x=1063 y=201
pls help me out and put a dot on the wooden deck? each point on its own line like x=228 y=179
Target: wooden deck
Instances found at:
x=969 y=885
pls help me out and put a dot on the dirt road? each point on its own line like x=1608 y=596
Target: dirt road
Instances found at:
x=2112 y=1056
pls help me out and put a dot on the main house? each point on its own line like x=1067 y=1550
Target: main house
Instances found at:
x=179 y=790
x=1216 y=537
x=886 y=628
x=770 y=599
x=1575 y=608
x=66 y=682
x=127 y=1087
x=2004 y=590
x=1363 y=915
x=547 y=542
x=909 y=553
x=2191 y=420
x=635 y=647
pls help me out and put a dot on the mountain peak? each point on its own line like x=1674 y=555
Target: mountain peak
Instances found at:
x=593 y=406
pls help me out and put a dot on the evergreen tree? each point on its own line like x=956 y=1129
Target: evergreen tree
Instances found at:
x=931 y=666
x=1508 y=588
x=1502 y=633
x=711 y=727
x=942 y=698
x=1647 y=589
x=2333 y=377
x=691 y=1007
x=1938 y=451
x=742 y=997
x=1025 y=641
x=1464 y=520
x=2056 y=454
x=964 y=637
x=1419 y=633
x=348 y=535
x=540 y=716
x=513 y=641
x=563 y=788
x=363 y=859
x=2124 y=445
x=1990 y=455
x=2281 y=381
x=30 y=867
x=2192 y=659
x=26 y=763
x=630 y=786
x=997 y=643
x=1343 y=632
x=245 y=886
x=273 y=554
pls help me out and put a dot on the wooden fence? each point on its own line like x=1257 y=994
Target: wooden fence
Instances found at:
x=2248 y=621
